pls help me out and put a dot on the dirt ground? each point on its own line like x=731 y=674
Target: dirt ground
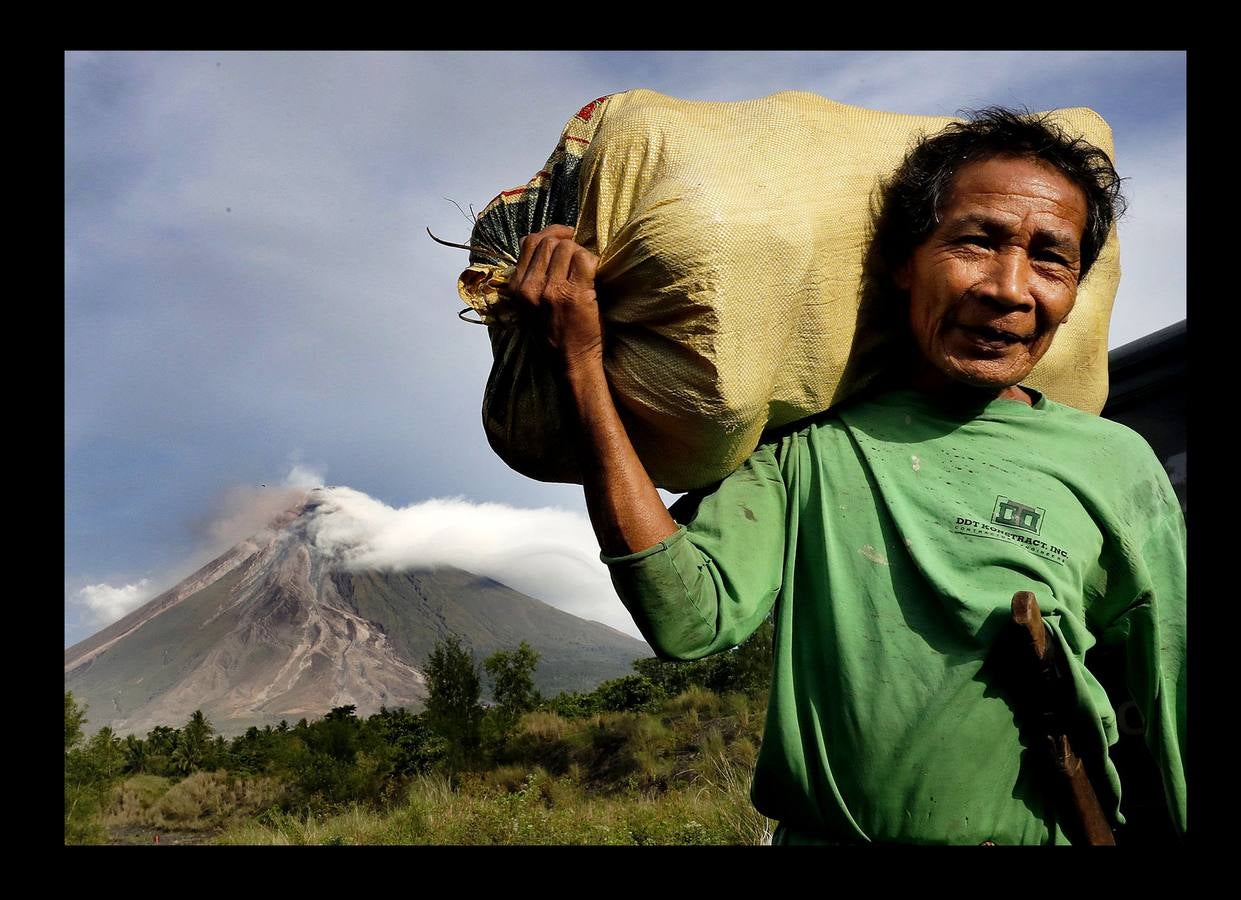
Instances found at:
x=140 y=835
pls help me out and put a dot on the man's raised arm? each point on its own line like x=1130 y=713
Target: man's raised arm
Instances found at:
x=692 y=592
x=555 y=281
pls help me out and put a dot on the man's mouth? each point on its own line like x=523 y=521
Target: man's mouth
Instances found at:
x=990 y=335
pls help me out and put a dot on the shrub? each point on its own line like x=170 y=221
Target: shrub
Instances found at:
x=544 y=739
x=697 y=699
x=506 y=778
x=625 y=750
x=630 y=693
x=208 y=799
x=574 y=705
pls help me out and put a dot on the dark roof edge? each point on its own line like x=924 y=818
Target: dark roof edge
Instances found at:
x=1168 y=341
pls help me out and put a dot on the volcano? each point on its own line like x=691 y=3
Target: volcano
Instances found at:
x=275 y=628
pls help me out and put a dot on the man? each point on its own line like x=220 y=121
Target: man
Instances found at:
x=890 y=533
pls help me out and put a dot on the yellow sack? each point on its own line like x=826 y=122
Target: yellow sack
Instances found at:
x=731 y=239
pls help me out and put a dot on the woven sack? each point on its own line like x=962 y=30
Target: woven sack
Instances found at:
x=731 y=239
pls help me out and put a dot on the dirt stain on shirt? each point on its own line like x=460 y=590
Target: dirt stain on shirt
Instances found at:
x=873 y=555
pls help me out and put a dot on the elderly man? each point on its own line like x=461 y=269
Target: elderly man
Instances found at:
x=890 y=533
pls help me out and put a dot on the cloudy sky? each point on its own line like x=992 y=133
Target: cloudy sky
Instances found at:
x=251 y=298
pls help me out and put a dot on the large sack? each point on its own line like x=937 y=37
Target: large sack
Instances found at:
x=731 y=239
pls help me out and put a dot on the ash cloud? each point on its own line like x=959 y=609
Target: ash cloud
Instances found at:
x=241 y=511
x=246 y=510
x=548 y=553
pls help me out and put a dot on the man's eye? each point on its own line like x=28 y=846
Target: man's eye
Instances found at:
x=1054 y=258
x=975 y=240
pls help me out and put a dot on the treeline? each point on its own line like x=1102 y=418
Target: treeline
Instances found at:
x=344 y=759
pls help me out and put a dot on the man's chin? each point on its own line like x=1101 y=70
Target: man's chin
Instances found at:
x=987 y=377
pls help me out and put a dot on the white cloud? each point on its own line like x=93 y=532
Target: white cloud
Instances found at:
x=107 y=603
x=548 y=553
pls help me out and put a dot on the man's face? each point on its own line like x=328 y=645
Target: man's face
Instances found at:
x=990 y=286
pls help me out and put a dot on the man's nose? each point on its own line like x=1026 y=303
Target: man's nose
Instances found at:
x=1008 y=279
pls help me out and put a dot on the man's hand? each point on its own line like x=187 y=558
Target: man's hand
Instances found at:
x=555 y=284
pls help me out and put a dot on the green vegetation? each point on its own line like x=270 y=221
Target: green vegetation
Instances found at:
x=662 y=756
x=512 y=678
x=453 y=710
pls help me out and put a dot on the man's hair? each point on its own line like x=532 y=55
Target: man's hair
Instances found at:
x=910 y=202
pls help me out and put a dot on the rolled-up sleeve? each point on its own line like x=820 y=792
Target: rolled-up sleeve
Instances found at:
x=707 y=587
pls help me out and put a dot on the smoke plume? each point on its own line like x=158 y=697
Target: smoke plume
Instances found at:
x=548 y=553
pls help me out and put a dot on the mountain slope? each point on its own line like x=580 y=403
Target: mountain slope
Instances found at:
x=277 y=629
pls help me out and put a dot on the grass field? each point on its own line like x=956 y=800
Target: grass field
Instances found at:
x=677 y=776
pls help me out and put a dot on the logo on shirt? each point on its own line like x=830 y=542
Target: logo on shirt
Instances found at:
x=1017 y=515
x=1014 y=517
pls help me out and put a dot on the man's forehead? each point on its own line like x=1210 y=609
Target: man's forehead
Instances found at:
x=1008 y=190
x=1046 y=230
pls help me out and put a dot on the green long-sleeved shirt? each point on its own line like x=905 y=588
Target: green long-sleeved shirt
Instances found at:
x=890 y=535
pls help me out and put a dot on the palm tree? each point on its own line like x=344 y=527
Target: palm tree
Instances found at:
x=198 y=730
x=135 y=755
x=185 y=759
x=192 y=748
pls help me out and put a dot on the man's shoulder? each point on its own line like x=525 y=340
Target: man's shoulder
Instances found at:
x=1114 y=436
x=803 y=428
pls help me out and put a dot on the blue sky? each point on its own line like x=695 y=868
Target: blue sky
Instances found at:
x=251 y=298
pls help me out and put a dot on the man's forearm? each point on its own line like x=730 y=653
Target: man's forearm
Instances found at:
x=625 y=509
x=554 y=284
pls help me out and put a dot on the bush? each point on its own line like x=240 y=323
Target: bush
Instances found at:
x=133 y=798
x=630 y=693
x=626 y=751
x=698 y=700
x=543 y=739
x=208 y=799
x=506 y=779
x=574 y=705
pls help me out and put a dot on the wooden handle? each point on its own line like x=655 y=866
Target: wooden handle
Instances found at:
x=1086 y=822
x=1029 y=618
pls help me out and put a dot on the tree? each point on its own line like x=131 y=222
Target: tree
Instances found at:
x=75 y=718
x=629 y=693
x=415 y=747
x=752 y=661
x=91 y=769
x=107 y=754
x=193 y=747
x=574 y=704
x=162 y=739
x=135 y=755
x=197 y=730
x=336 y=735
x=160 y=743
x=453 y=688
x=745 y=669
x=512 y=678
